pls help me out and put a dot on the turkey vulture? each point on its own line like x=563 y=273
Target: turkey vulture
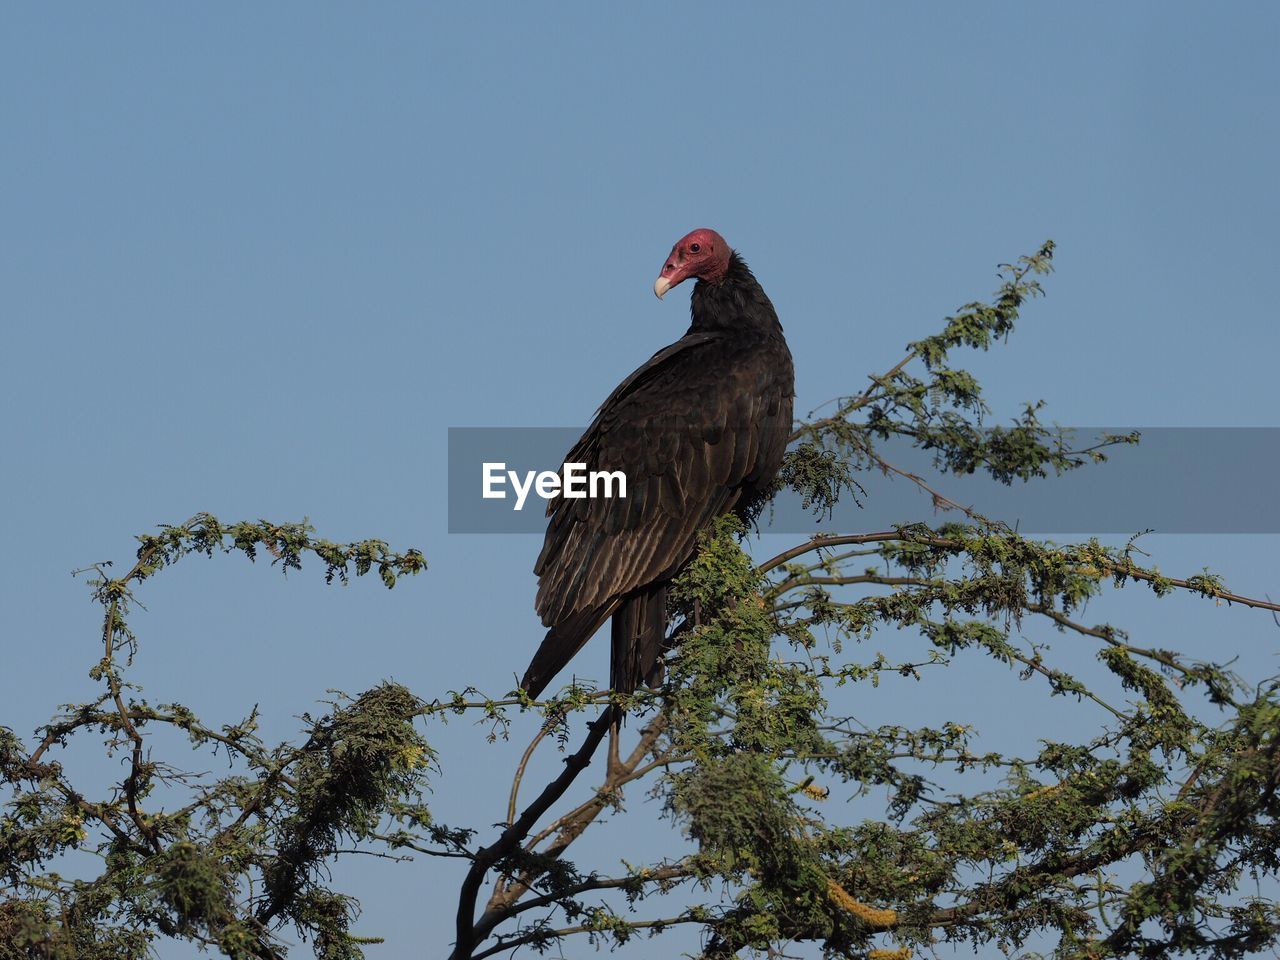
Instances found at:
x=699 y=431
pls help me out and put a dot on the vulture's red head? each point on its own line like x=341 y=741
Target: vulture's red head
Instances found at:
x=702 y=254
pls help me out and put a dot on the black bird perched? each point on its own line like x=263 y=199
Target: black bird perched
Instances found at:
x=699 y=430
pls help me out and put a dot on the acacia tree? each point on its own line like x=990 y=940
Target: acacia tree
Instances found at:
x=1136 y=841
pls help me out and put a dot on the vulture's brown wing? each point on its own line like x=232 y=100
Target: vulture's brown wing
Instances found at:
x=690 y=429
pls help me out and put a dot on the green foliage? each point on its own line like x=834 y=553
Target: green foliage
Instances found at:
x=737 y=809
x=943 y=411
x=1148 y=838
x=820 y=476
x=356 y=764
x=194 y=886
x=219 y=861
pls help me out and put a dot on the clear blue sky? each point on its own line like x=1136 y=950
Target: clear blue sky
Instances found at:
x=256 y=260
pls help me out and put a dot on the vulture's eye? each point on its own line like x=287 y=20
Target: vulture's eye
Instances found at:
x=695 y=248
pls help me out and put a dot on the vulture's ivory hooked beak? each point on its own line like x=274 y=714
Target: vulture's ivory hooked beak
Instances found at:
x=661 y=286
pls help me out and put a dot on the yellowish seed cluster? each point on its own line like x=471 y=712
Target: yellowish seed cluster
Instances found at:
x=1042 y=791
x=872 y=916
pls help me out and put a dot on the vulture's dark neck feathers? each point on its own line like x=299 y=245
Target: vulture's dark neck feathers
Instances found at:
x=733 y=303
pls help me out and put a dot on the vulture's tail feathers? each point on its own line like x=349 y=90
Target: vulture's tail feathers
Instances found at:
x=558 y=647
x=639 y=639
